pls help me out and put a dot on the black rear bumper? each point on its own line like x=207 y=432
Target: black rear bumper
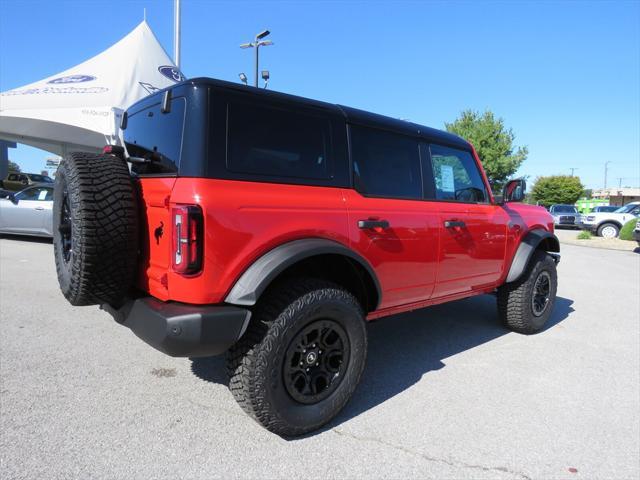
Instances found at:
x=183 y=330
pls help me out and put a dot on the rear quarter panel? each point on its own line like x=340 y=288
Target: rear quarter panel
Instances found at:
x=242 y=221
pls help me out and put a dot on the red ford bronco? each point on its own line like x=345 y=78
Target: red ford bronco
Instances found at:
x=272 y=227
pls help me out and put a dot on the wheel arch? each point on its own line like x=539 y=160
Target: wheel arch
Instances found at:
x=537 y=239
x=612 y=222
x=316 y=257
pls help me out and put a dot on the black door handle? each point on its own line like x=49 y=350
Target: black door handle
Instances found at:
x=453 y=223
x=366 y=224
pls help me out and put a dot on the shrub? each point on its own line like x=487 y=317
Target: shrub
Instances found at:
x=627 y=229
x=557 y=189
x=584 y=235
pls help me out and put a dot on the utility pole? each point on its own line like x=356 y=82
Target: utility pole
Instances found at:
x=573 y=169
x=257 y=43
x=606 y=170
x=176 y=32
x=620 y=182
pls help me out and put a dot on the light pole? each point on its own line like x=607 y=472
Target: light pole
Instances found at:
x=573 y=169
x=176 y=33
x=257 y=43
x=606 y=169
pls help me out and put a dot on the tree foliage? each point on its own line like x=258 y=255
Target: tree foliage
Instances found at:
x=14 y=167
x=493 y=142
x=557 y=189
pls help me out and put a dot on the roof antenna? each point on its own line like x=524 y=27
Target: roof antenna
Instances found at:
x=144 y=14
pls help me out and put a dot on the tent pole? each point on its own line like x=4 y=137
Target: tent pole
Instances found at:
x=176 y=32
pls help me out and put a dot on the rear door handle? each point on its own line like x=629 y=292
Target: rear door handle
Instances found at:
x=454 y=224
x=367 y=224
x=39 y=208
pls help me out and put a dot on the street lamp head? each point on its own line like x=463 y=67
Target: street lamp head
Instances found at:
x=243 y=78
x=263 y=34
x=265 y=75
x=246 y=45
x=266 y=43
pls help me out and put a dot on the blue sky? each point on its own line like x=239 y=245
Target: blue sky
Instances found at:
x=564 y=75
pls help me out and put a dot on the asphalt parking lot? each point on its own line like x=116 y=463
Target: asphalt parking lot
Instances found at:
x=447 y=393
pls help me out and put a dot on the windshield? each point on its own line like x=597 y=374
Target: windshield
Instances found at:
x=627 y=208
x=564 y=209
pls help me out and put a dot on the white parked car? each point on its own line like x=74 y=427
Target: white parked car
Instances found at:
x=28 y=212
x=608 y=224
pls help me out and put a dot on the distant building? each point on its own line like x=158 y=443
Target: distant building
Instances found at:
x=618 y=196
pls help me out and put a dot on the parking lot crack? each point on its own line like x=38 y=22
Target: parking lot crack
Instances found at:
x=452 y=463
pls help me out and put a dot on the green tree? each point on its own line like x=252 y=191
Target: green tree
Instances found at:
x=557 y=189
x=14 y=167
x=493 y=142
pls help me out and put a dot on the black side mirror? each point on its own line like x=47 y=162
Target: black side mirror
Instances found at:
x=13 y=199
x=514 y=191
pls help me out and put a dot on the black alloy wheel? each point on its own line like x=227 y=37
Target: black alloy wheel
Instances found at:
x=65 y=228
x=541 y=293
x=316 y=361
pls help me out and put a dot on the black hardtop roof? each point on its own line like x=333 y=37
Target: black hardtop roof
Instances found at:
x=352 y=115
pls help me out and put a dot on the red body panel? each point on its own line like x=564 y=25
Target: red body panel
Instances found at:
x=417 y=260
x=242 y=220
x=405 y=255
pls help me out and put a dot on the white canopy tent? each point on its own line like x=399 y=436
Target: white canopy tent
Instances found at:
x=81 y=108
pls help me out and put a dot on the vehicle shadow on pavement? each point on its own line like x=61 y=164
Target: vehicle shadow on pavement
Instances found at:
x=403 y=348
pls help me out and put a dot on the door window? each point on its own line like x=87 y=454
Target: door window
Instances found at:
x=385 y=164
x=41 y=194
x=456 y=176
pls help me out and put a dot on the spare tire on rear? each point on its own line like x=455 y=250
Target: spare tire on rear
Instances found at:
x=95 y=228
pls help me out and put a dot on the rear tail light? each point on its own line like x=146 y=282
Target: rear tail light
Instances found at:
x=113 y=150
x=188 y=230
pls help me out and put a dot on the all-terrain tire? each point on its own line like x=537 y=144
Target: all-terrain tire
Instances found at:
x=95 y=228
x=516 y=300
x=256 y=363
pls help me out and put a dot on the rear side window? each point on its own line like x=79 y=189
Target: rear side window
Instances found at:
x=456 y=176
x=385 y=164
x=277 y=143
x=157 y=136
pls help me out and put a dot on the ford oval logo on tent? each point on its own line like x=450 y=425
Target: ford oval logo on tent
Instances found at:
x=172 y=73
x=72 y=79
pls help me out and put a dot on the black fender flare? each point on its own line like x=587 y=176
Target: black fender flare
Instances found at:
x=253 y=282
x=527 y=246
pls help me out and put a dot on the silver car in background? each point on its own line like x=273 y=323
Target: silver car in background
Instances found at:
x=28 y=212
x=565 y=216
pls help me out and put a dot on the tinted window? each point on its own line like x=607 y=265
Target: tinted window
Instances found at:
x=385 y=164
x=277 y=143
x=154 y=135
x=40 y=179
x=456 y=175
x=565 y=209
x=12 y=177
x=37 y=193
